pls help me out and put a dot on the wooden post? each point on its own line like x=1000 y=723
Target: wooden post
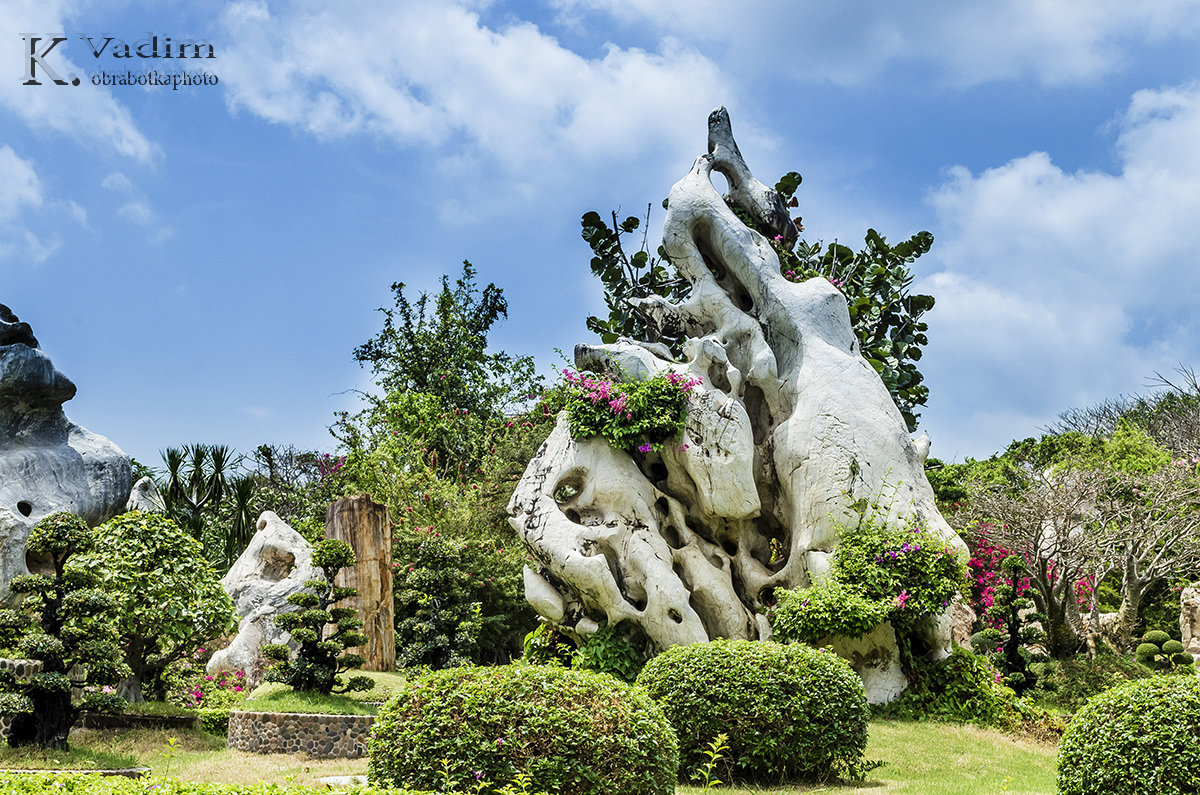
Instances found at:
x=367 y=528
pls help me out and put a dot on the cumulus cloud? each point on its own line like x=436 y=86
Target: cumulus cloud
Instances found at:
x=432 y=74
x=1079 y=285
x=134 y=207
x=1054 y=41
x=87 y=113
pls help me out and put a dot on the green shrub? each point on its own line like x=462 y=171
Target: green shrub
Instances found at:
x=572 y=732
x=214 y=720
x=1140 y=738
x=963 y=688
x=790 y=711
x=610 y=652
x=1158 y=651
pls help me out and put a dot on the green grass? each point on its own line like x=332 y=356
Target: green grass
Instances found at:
x=274 y=697
x=937 y=759
x=80 y=757
x=159 y=708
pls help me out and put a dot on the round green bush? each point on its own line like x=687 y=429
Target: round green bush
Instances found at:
x=1140 y=738
x=790 y=711
x=572 y=732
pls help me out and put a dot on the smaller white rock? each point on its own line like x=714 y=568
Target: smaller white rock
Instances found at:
x=145 y=497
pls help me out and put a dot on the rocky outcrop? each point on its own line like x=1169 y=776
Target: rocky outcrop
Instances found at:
x=275 y=565
x=789 y=431
x=47 y=462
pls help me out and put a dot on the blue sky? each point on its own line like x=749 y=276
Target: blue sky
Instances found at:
x=202 y=262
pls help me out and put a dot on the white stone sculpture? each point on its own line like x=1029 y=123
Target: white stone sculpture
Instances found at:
x=1189 y=619
x=275 y=565
x=788 y=430
x=47 y=462
x=145 y=497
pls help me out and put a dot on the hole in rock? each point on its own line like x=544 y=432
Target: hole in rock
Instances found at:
x=671 y=536
x=277 y=564
x=718 y=378
x=658 y=472
x=760 y=415
x=573 y=515
x=675 y=616
x=39 y=563
x=24 y=507
x=568 y=486
x=767 y=597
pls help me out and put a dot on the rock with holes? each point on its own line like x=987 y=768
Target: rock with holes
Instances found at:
x=47 y=462
x=1189 y=619
x=275 y=565
x=788 y=432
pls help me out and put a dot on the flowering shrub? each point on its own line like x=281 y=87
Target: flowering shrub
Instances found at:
x=879 y=573
x=191 y=686
x=983 y=569
x=631 y=415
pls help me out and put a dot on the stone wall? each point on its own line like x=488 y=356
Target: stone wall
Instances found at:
x=319 y=736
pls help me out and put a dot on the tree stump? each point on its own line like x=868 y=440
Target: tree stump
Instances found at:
x=367 y=528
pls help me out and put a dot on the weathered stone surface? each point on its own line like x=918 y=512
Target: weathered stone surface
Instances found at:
x=275 y=565
x=1189 y=619
x=367 y=527
x=145 y=497
x=789 y=429
x=47 y=462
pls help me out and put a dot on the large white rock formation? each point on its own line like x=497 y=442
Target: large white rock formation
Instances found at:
x=788 y=431
x=275 y=565
x=47 y=462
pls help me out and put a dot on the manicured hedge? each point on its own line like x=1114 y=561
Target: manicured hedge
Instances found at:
x=789 y=712
x=1140 y=738
x=571 y=732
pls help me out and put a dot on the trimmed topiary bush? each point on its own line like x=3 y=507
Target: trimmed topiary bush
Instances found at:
x=1158 y=651
x=571 y=732
x=790 y=711
x=1141 y=738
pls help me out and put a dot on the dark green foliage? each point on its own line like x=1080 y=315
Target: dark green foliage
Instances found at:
x=610 y=652
x=963 y=688
x=571 y=732
x=439 y=348
x=548 y=645
x=320 y=657
x=1142 y=738
x=1158 y=651
x=791 y=712
x=64 y=620
x=169 y=601
x=438 y=618
x=629 y=278
x=1068 y=684
x=808 y=615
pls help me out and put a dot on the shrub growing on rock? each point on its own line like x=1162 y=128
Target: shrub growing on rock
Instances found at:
x=790 y=711
x=571 y=732
x=1141 y=738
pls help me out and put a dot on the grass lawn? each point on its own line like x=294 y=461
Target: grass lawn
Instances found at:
x=919 y=758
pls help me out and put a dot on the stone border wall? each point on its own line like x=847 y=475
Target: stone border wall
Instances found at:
x=319 y=736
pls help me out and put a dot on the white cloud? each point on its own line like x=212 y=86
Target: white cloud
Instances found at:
x=1063 y=288
x=135 y=208
x=22 y=194
x=1055 y=41
x=85 y=112
x=432 y=74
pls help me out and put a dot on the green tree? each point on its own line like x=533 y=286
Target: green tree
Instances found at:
x=439 y=347
x=169 y=600
x=65 y=622
x=322 y=654
x=1014 y=628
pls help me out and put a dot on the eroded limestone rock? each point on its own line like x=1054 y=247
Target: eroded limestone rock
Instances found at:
x=275 y=565
x=1189 y=619
x=789 y=428
x=47 y=462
